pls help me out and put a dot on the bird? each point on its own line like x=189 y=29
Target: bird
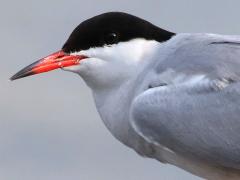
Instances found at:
x=173 y=97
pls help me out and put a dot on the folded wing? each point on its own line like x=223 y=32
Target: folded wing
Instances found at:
x=197 y=113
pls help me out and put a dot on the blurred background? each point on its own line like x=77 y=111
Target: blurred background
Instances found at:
x=49 y=127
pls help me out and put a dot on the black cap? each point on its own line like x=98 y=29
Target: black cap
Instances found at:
x=111 y=28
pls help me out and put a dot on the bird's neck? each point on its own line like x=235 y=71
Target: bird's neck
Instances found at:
x=113 y=106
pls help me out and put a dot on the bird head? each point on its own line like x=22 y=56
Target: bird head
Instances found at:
x=103 y=50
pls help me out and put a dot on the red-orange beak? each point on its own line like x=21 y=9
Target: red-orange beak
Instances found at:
x=54 y=61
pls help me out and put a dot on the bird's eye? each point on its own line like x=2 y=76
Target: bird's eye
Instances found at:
x=111 y=38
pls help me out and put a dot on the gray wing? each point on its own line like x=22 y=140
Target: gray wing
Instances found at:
x=197 y=111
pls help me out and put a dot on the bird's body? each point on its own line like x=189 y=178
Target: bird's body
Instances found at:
x=172 y=97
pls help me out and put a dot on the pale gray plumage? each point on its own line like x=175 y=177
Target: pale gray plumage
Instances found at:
x=199 y=120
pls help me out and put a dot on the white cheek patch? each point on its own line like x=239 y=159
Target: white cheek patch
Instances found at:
x=131 y=51
x=113 y=64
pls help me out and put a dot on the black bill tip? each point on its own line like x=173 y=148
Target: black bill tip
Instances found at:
x=21 y=74
x=27 y=71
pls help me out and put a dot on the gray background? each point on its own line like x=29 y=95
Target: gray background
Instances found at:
x=49 y=127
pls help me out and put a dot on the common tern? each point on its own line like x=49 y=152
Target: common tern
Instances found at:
x=172 y=97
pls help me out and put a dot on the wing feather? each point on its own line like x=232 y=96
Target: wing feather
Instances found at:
x=201 y=119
